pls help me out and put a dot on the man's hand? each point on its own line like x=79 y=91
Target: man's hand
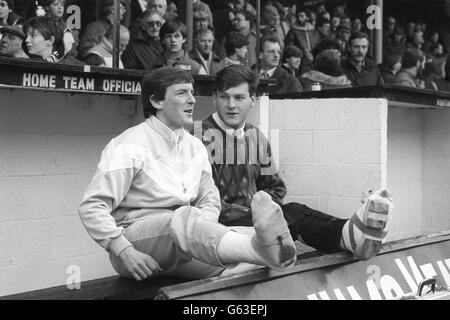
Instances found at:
x=139 y=264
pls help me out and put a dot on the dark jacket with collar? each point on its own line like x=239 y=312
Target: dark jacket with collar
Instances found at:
x=184 y=62
x=286 y=83
x=369 y=75
x=142 y=52
x=215 y=66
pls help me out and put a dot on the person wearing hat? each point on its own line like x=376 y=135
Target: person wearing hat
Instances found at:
x=7 y=16
x=11 y=42
x=95 y=30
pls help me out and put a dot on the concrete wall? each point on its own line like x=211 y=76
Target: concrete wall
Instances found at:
x=331 y=151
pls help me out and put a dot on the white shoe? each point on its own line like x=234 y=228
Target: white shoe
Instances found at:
x=365 y=231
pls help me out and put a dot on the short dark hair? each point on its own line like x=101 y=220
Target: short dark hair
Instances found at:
x=233 y=41
x=324 y=45
x=156 y=83
x=10 y=4
x=328 y=62
x=235 y=75
x=358 y=35
x=48 y=27
x=49 y=2
x=247 y=15
x=292 y=51
x=172 y=26
x=411 y=57
x=269 y=38
x=321 y=21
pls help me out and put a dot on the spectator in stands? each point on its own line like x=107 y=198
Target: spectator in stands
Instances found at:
x=395 y=44
x=270 y=55
x=203 y=51
x=145 y=47
x=236 y=49
x=55 y=9
x=392 y=63
x=335 y=22
x=312 y=18
x=291 y=14
x=326 y=72
x=7 y=15
x=95 y=30
x=172 y=11
x=292 y=58
x=413 y=62
x=343 y=34
x=410 y=28
x=201 y=21
x=198 y=5
x=239 y=5
x=415 y=41
x=173 y=39
x=357 y=66
x=102 y=54
x=438 y=58
x=243 y=23
x=390 y=26
x=433 y=39
x=159 y=6
x=271 y=23
x=11 y=42
x=430 y=77
x=323 y=27
x=137 y=8
x=345 y=22
x=44 y=40
x=357 y=25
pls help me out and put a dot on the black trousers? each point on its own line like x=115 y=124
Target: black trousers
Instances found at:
x=316 y=229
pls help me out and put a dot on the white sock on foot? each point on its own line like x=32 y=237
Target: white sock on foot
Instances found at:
x=236 y=247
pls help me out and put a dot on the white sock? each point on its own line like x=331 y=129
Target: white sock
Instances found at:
x=236 y=247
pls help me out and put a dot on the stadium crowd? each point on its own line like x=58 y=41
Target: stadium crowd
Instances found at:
x=301 y=47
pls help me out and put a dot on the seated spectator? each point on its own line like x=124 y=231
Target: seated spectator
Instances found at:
x=291 y=13
x=199 y=5
x=357 y=25
x=415 y=41
x=437 y=58
x=326 y=72
x=145 y=47
x=358 y=68
x=55 y=10
x=412 y=64
x=173 y=39
x=236 y=49
x=430 y=77
x=433 y=39
x=395 y=43
x=203 y=51
x=343 y=34
x=392 y=63
x=44 y=40
x=335 y=22
x=102 y=54
x=94 y=31
x=270 y=55
x=159 y=6
x=172 y=11
x=345 y=22
x=238 y=5
x=243 y=23
x=323 y=28
x=11 y=42
x=201 y=21
x=271 y=23
x=390 y=26
x=7 y=15
x=292 y=57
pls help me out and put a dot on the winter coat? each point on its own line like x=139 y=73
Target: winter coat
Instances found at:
x=369 y=75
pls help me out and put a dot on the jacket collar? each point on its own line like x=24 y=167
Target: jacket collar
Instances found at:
x=222 y=125
x=174 y=136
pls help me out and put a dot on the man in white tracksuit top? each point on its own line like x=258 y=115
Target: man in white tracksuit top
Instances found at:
x=153 y=205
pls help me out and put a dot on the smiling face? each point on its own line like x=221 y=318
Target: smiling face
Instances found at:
x=234 y=104
x=177 y=108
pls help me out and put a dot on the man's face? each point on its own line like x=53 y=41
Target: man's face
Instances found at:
x=56 y=8
x=159 y=6
x=152 y=24
x=174 y=42
x=10 y=44
x=204 y=43
x=390 y=24
x=294 y=62
x=270 y=57
x=123 y=41
x=4 y=9
x=234 y=104
x=177 y=108
x=335 y=21
x=324 y=29
x=301 y=18
x=346 y=22
x=345 y=35
x=358 y=49
x=240 y=23
x=200 y=24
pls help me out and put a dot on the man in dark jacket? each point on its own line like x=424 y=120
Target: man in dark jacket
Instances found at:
x=270 y=55
x=203 y=51
x=145 y=47
x=359 y=69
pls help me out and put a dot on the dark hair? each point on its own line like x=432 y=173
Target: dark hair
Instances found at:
x=156 y=83
x=235 y=75
x=292 y=51
x=321 y=21
x=10 y=4
x=358 y=35
x=391 y=59
x=434 y=46
x=269 y=38
x=328 y=62
x=208 y=29
x=49 y=2
x=247 y=15
x=411 y=57
x=48 y=27
x=233 y=41
x=172 y=26
x=324 y=45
